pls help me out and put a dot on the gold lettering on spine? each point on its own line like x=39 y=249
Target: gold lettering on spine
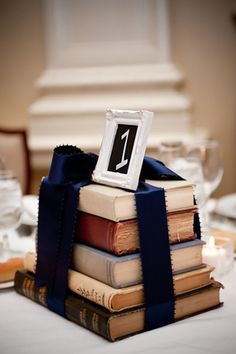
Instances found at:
x=92 y=295
x=82 y=317
x=42 y=296
x=95 y=322
x=24 y=287
x=27 y=289
x=31 y=291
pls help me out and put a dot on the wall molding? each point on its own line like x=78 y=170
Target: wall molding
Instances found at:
x=87 y=73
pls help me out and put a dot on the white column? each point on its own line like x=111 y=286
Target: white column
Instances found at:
x=105 y=54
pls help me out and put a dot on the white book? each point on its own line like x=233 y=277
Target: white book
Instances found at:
x=117 y=204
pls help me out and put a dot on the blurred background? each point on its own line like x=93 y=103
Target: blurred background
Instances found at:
x=63 y=62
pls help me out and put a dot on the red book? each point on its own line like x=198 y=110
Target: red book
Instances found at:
x=122 y=237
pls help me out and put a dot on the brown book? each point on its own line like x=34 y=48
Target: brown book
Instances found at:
x=122 y=237
x=116 y=300
x=116 y=326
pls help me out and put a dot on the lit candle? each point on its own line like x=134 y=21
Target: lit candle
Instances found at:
x=215 y=254
x=210 y=253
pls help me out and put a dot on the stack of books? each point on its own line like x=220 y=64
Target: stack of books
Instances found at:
x=106 y=293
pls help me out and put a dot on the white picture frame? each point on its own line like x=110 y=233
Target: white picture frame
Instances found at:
x=123 y=147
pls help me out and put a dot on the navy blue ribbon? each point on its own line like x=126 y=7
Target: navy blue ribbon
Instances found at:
x=155 y=246
x=59 y=193
x=155 y=256
x=70 y=170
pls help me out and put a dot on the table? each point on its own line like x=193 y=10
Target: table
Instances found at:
x=27 y=327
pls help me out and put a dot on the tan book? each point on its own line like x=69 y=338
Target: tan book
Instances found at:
x=116 y=300
x=8 y=268
x=115 y=326
x=226 y=234
x=124 y=271
x=117 y=204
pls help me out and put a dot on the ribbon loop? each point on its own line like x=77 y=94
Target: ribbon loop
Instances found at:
x=154 y=169
x=70 y=164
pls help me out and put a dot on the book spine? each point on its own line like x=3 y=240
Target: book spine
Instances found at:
x=86 y=317
x=76 y=309
x=97 y=266
x=26 y=286
x=97 y=203
x=103 y=294
x=97 y=232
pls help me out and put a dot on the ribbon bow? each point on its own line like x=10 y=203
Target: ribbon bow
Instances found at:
x=70 y=170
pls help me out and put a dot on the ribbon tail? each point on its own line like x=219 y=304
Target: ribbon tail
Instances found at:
x=155 y=256
x=57 y=213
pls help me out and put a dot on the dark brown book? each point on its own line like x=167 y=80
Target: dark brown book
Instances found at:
x=122 y=237
x=116 y=326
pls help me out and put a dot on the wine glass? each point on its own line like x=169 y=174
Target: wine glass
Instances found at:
x=174 y=155
x=209 y=154
x=10 y=211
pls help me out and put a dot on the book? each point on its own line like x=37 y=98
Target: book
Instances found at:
x=117 y=204
x=123 y=271
x=122 y=237
x=226 y=234
x=116 y=300
x=116 y=326
x=8 y=268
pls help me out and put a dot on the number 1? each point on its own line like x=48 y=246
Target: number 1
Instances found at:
x=123 y=161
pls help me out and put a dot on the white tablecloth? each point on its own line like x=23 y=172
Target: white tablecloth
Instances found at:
x=26 y=327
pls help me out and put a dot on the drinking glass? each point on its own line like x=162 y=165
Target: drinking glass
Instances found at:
x=10 y=211
x=209 y=154
x=174 y=155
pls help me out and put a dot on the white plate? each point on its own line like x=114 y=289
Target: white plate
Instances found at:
x=226 y=206
x=7 y=284
x=30 y=210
